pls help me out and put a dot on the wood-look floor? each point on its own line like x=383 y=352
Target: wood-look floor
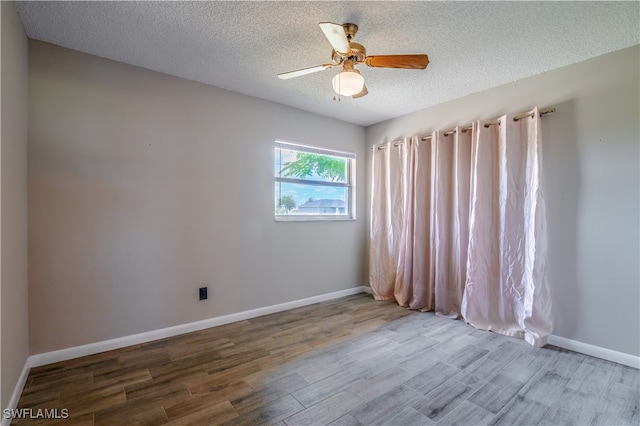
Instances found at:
x=350 y=361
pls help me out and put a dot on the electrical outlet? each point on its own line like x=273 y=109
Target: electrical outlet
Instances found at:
x=203 y=293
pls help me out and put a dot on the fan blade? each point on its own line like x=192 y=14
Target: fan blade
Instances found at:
x=304 y=71
x=362 y=93
x=336 y=36
x=414 y=62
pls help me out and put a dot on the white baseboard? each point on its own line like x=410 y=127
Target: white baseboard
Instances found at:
x=595 y=351
x=17 y=391
x=121 y=342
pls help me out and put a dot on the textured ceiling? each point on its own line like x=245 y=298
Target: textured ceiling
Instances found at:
x=242 y=46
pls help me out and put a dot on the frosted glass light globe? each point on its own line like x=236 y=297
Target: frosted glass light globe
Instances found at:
x=348 y=82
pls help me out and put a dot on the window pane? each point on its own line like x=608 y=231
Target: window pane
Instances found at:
x=301 y=199
x=310 y=166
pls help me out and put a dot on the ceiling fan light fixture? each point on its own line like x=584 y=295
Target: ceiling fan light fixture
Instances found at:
x=348 y=82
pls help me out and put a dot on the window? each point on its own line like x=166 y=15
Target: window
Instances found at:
x=313 y=183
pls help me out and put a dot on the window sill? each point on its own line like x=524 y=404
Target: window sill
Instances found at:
x=310 y=218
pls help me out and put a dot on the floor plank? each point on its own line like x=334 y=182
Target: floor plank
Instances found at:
x=521 y=411
x=618 y=406
x=572 y=408
x=432 y=377
x=383 y=408
x=327 y=411
x=272 y=412
x=409 y=416
x=325 y=388
x=494 y=395
x=544 y=388
x=467 y=413
x=443 y=399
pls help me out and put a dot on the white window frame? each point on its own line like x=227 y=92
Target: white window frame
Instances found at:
x=349 y=184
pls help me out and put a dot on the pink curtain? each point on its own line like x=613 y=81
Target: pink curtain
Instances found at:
x=387 y=217
x=458 y=227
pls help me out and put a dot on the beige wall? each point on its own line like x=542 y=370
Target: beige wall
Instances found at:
x=14 y=341
x=591 y=153
x=143 y=187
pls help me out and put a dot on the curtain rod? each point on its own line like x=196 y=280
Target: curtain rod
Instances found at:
x=544 y=111
x=518 y=117
x=395 y=143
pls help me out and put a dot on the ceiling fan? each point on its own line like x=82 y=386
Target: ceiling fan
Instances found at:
x=345 y=53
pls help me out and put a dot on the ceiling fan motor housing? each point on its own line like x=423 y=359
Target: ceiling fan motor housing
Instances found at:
x=357 y=54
